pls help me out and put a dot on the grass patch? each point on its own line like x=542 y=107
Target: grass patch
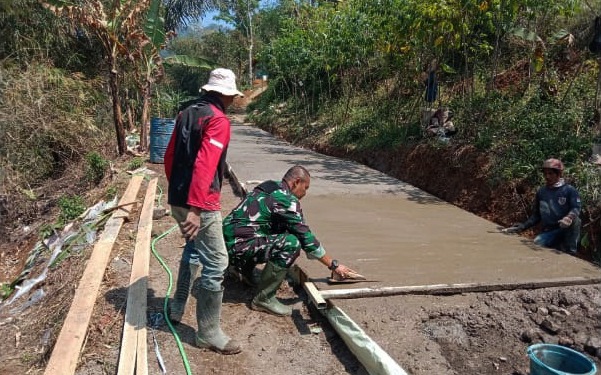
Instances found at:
x=135 y=163
x=96 y=167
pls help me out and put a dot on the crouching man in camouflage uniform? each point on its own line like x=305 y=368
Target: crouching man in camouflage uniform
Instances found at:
x=268 y=227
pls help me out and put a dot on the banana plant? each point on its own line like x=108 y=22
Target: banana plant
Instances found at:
x=132 y=34
x=150 y=69
x=119 y=29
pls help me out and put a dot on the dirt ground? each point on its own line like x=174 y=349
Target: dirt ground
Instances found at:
x=464 y=334
x=270 y=343
x=481 y=333
x=279 y=345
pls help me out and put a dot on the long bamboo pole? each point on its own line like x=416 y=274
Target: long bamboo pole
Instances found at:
x=456 y=288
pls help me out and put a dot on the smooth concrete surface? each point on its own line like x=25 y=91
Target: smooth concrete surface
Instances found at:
x=390 y=231
x=400 y=242
x=256 y=155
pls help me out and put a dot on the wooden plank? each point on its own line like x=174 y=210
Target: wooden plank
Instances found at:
x=146 y=224
x=133 y=354
x=142 y=352
x=439 y=289
x=299 y=277
x=65 y=354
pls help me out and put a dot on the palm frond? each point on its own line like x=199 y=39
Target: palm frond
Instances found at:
x=179 y=13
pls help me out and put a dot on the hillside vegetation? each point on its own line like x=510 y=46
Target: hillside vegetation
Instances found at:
x=519 y=77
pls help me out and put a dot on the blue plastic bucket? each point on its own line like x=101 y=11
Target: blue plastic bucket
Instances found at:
x=160 y=134
x=549 y=359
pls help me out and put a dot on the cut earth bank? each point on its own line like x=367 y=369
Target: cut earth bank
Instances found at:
x=458 y=174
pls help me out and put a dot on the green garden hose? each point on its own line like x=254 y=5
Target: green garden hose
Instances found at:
x=165 y=314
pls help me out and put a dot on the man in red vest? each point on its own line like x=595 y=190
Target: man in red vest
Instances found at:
x=194 y=165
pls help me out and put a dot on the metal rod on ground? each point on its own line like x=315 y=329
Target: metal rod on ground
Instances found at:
x=111 y=209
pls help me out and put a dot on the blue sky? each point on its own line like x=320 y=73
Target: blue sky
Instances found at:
x=208 y=19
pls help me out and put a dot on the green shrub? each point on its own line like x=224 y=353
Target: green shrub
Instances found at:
x=111 y=192
x=5 y=290
x=135 y=163
x=167 y=102
x=96 y=167
x=71 y=207
x=47 y=230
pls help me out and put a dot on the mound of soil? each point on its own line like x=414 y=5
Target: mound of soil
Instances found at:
x=482 y=333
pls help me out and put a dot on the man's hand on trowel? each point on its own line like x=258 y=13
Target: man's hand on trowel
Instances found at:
x=339 y=271
x=343 y=271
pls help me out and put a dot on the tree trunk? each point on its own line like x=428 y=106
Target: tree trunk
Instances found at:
x=117 y=116
x=130 y=117
x=250 y=46
x=129 y=111
x=145 y=114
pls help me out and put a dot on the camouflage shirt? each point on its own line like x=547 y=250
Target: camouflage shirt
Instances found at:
x=269 y=209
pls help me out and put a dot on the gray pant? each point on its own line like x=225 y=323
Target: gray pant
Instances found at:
x=208 y=249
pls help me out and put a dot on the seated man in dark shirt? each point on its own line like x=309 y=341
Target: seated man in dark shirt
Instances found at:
x=557 y=207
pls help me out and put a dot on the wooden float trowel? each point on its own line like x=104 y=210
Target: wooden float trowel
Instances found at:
x=351 y=277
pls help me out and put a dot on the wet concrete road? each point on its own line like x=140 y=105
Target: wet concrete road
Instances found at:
x=390 y=231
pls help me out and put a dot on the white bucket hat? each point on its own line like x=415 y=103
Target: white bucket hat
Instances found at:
x=223 y=81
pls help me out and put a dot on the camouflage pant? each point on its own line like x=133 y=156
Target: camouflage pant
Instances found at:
x=280 y=249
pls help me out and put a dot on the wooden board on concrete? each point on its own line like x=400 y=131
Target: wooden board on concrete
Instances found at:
x=447 y=289
x=65 y=354
x=133 y=355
